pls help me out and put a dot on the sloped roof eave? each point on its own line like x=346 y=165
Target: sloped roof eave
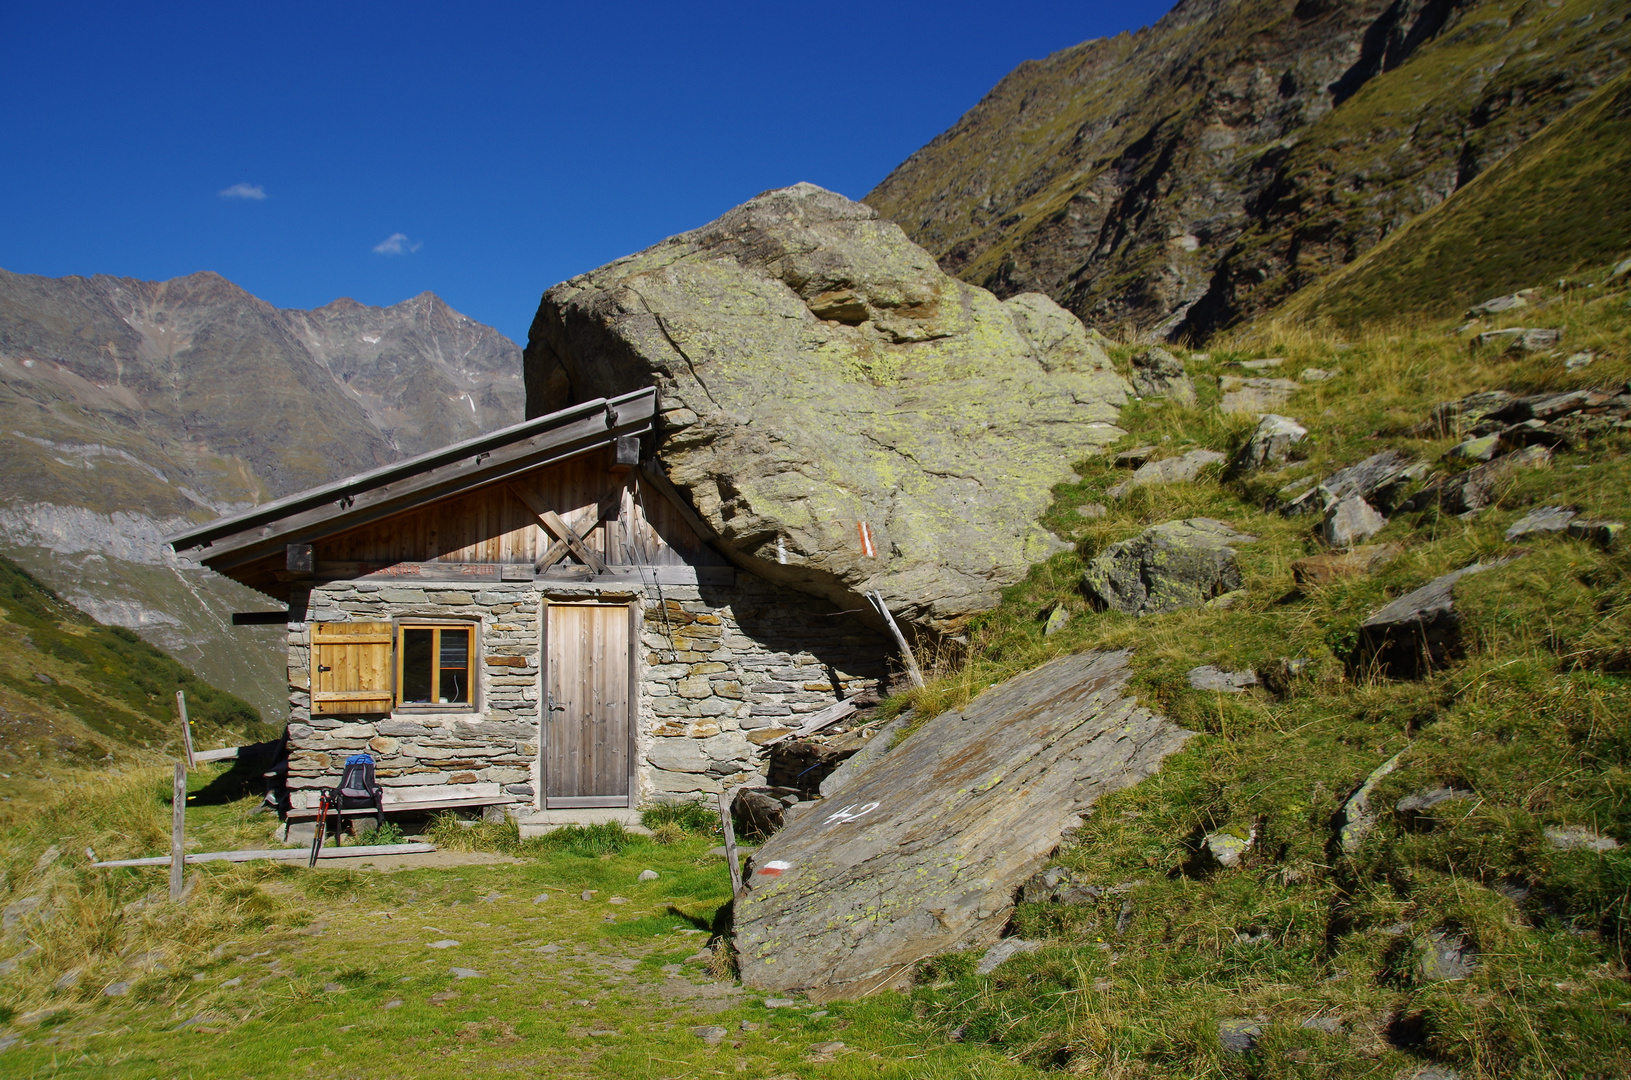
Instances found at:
x=402 y=485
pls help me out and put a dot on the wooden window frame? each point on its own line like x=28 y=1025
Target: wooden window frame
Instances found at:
x=402 y=623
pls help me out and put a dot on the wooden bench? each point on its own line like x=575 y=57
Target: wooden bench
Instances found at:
x=310 y=814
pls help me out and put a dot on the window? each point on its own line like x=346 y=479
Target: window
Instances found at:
x=433 y=665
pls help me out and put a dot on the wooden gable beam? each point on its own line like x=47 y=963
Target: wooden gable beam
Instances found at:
x=567 y=539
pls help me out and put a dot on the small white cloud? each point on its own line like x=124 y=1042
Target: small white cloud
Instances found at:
x=244 y=191
x=396 y=244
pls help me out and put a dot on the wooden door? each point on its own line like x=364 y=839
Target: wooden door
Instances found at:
x=587 y=737
x=350 y=668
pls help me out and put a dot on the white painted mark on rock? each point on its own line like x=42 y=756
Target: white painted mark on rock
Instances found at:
x=850 y=813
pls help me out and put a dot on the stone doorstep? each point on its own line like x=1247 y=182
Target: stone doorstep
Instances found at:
x=533 y=822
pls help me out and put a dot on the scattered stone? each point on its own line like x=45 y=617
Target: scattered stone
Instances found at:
x=1501 y=303
x=47 y=857
x=1414 y=634
x=1208 y=677
x=442 y=997
x=1426 y=800
x=1255 y=395
x=1336 y=566
x=1330 y=1025
x=1158 y=373
x=492 y=898
x=1260 y=365
x=1350 y=521
x=1314 y=374
x=236 y=980
x=1544 y=519
x=18 y=910
x=1092 y=510
x=1578 y=360
x=1605 y=534
x=445 y=943
x=1124 y=917
x=465 y=973
x=1357 y=818
x=985 y=793
x=1239 y=1036
x=1166 y=567
x=712 y=1035
x=617 y=900
x=1579 y=838
x=1228 y=845
x=540 y=898
x=1380 y=480
x=647 y=875
x=1253 y=935
x=122 y=987
x=824 y=1051
x=1002 y=952
x=394 y=1003
x=1132 y=459
x=548 y=948
x=779 y=1003
x=1429 y=1072
x=8 y=966
x=1476 y=488
x=333 y=988
x=588 y=895
x=1057 y=619
x=1481 y=448
x=1173 y=470
x=1447 y=955
x=1519 y=338
x=1270 y=443
x=1057 y=885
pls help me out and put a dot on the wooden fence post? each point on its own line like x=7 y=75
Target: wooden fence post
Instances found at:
x=186 y=729
x=730 y=843
x=178 y=829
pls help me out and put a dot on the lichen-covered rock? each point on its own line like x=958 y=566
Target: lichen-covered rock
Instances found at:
x=1168 y=566
x=1542 y=519
x=1159 y=374
x=1209 y=677
x=1380 y=480
x=1254 y=395
x=1172 y=470
x=817 y=371
x=924 y=851
x=1270 y=443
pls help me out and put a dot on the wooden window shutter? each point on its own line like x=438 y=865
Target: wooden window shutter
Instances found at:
x=351 y=668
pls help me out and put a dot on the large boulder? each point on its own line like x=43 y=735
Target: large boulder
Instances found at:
x=925 y=851
x=1414 y=634
x=1172 y=565
x=817 y=371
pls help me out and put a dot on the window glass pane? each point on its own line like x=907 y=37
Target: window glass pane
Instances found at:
x=455 y=666
x=417 y=646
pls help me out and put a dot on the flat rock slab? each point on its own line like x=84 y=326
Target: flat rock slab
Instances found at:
x=923 y=853
x=1416 y=633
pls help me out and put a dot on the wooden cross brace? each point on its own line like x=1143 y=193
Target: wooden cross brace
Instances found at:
x=566 y=538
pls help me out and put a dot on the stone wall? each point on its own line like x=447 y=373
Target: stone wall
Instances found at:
x=716 y=664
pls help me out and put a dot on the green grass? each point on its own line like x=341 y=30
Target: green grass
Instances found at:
x=273 y=970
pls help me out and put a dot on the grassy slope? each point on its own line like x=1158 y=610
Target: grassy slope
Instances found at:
x=1526 y=722
x=1560 y=202
x=73 y=691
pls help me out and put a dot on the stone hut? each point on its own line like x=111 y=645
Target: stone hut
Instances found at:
x=534 y=619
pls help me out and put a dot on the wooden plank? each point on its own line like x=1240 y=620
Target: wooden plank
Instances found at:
x=427 y=476
x=660 y=483
x=360 y=852
x=816 y=721
x=553 y=522
x=178 y=831
x=730 y=843
x=225 y=754
x=351 y=667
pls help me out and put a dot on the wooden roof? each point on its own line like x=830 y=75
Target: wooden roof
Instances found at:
x=332 y=508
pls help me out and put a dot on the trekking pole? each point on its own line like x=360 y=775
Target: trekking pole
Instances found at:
x=322 y=829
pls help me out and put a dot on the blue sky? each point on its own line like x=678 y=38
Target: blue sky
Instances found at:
x=483 y=151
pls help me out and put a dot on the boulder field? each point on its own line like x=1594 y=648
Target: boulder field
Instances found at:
x=843 y=415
